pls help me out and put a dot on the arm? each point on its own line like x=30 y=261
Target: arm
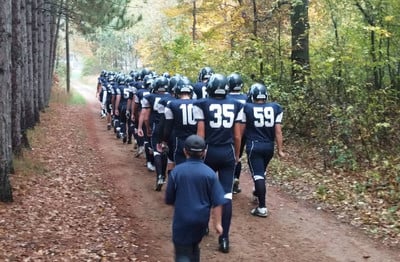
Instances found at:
x=279 y=140
x=98 y=89
x=117 y=100
x=217 y=218
x=237 y=136
x=201 y=129
x=143 y=118
x=134 y=111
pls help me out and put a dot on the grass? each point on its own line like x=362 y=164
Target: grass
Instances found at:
x=27 y=166
x=76 y=99
x=60 y=95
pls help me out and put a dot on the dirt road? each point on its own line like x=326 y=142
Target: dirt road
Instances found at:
x=294 y=231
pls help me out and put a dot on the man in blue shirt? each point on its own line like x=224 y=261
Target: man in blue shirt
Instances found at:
x=193 y=188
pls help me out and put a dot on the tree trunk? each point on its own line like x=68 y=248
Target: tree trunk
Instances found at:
x=5 y=98
x=194 y=21
x=47 y=20
x=41 y=54
x=35 y=56
x=29 y=93
x=67 y=46
x=25 y=77
x=17 y=68
x=255 y=18
x=300 y=44
x=54 y=33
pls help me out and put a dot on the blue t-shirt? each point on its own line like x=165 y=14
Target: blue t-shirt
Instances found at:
x=193 y=188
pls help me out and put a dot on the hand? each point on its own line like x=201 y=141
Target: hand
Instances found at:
x=281 y=154
x=219 y=229
x=237 y=160
x=116 y=112
x=140 y=132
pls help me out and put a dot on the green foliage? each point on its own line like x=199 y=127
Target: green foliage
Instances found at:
x=111 y=14
x=348 y=108
x=76 y=99
x=91 y=66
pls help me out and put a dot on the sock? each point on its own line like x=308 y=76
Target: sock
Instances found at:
x=238 y=170
x=226 y=218
x=260 y=191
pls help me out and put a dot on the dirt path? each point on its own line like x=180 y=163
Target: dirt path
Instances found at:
x=293 y=232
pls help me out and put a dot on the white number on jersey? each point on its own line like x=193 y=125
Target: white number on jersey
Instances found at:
x=263 y=116
x=224 y=115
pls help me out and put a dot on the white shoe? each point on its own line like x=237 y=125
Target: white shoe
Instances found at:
x=139 y=151
x=259 y=212
x=150 y=167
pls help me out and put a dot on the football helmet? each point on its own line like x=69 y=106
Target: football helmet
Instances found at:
x=235 y=82
x=148 y=81
x=160 y=84
x=258 y=92
x=217 y=85
x=205 y=73
x=183 y=86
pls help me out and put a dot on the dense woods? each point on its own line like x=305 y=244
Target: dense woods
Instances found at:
x=333 y=65
x=28 y=43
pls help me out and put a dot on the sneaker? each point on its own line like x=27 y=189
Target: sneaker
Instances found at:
x=150 y=167
x=236 y=189
x=124 y=139
x=259 y=212
x=118 y=132
x=160 y=183
x=108 y=126
x=139 y=151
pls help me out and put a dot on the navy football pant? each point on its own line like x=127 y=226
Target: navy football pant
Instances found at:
x=259 y=154
x=222 y=160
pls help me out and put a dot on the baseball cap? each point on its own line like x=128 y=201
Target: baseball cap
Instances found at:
x=195 y=143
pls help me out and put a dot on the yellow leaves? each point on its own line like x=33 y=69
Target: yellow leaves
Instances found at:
x=388 y=18
x=379 y=30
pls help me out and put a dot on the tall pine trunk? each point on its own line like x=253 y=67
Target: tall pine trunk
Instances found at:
x=5 y=100
x=29 y=93
x=16 y=76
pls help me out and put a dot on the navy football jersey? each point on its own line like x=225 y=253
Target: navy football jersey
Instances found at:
x=152 y=101
x=181 y=112
x=140 y=93
x=242 y=98
x=219 y=117
x=260 y=121
x=124 y=91
x=199 y=90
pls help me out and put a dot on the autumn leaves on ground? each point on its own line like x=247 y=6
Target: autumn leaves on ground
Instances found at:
x=80 y=195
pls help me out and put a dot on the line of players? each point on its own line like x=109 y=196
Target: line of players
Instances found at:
x=159 y=112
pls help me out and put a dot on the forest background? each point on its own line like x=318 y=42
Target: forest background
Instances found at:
x=334 y=66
